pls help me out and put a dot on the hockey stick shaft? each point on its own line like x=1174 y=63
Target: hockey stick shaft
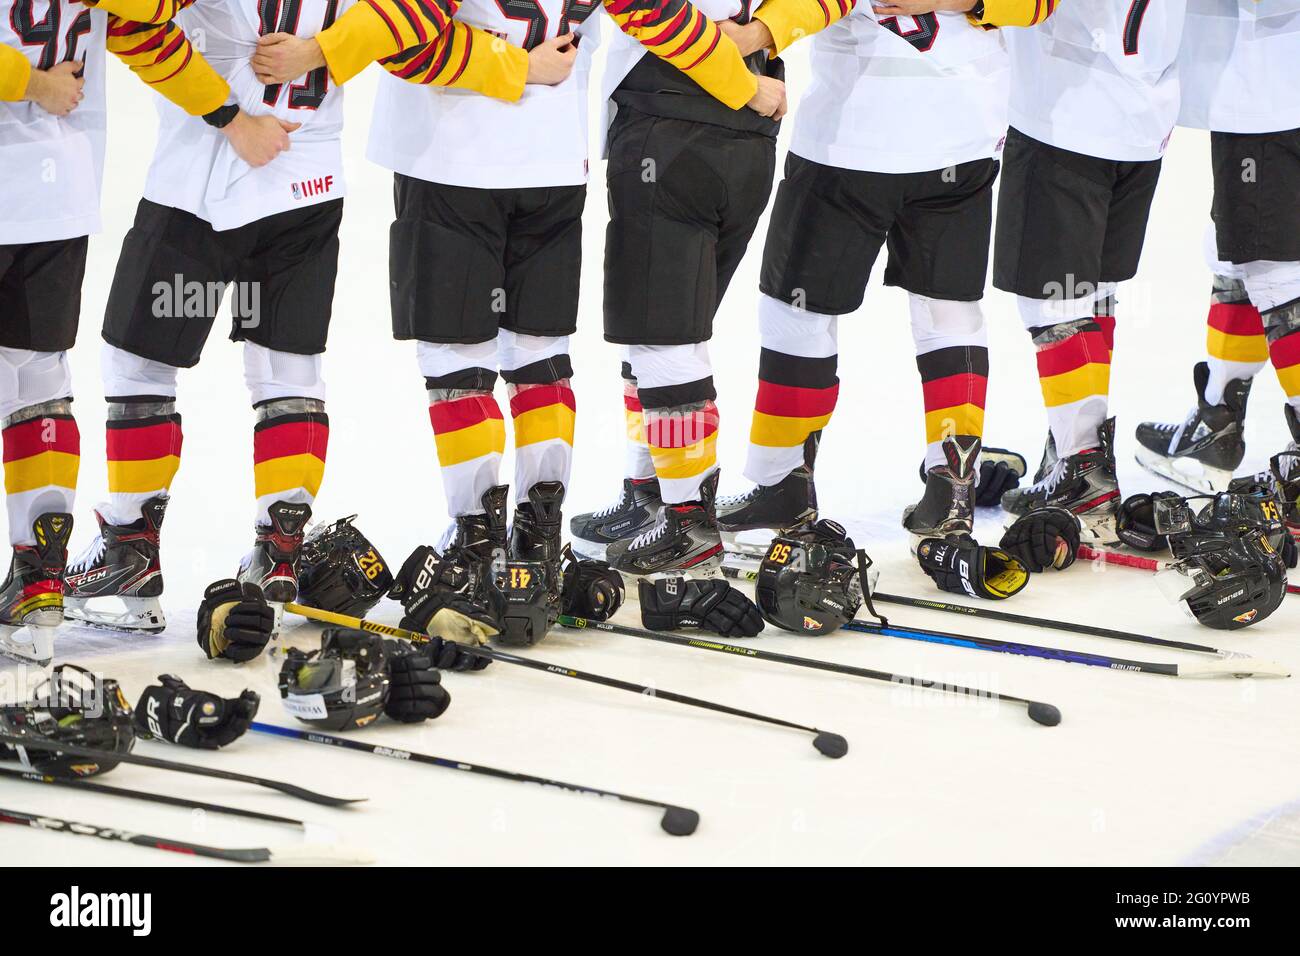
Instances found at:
x=561 y=671
x=78 y=783
x=1137 y=561
x=286 y=788
x=682 y=814
x=1047 y=711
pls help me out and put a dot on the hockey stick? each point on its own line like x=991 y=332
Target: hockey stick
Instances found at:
x=1234 y=667
x=1119 y=559
x=927 y=604
x=107 y=756
x=827 y=743
x=79 y=783
x=307 y=852
x=679 y=821
x=1046 y=714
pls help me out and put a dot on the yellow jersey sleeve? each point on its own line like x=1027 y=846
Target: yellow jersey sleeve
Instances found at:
x=1013 y=13
x=162 y=56
x=15 y=73
x=467 y=58
x=791 y=20
x=375 y=29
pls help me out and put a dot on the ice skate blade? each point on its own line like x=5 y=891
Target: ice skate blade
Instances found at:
x=137 y=616
x=590 y=550
x=752 y=544
x=1187 y=472
x=28 y=644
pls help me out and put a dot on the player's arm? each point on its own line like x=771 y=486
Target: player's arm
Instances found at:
x=465 y=57
x=779 y=23
x=983 y=13
x=678 y=33
x=15 y=74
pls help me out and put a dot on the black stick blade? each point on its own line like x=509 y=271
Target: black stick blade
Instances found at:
x=831 y=745
x=1049 y=715
x=679 y=821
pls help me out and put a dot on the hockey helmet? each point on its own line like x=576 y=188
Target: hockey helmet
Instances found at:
x=809 y=582
x=339 y=570
x=342 y=686
x=1135 y=523
x=74 y=707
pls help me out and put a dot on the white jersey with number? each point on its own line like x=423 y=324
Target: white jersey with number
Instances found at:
x=1099 y=77
x=903 y=94
x=194 y=166
x=464 y=138
x=1240 y=66
x=51 y=167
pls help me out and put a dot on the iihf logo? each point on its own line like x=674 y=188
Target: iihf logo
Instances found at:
x=312 y=187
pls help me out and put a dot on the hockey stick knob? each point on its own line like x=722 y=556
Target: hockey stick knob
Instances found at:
x=1049 y=715
x=679 y=821
x=831 y=745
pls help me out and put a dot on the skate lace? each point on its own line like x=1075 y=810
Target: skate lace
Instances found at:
x=1051 y=479
x=646 y=538
x=730 y=501
x=94 y=551
x=615 y=507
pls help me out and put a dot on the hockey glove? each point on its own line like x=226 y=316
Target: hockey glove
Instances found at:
x=1044 y=538
x=670 y=603
x=176 y=713
x=438 y=596
x=450 y=656
x=960 y=565
x=1135 y=524
x=415 y=690
x=234 y=621
x=592 y=589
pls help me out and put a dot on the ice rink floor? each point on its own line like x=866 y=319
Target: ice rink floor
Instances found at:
x=1142 y=769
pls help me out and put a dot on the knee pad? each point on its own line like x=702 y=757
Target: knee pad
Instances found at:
x=791 y=331
x=1272 y=284
x=457 y=364
x=944 y=323
x=271 y=374
x=661 y=366
x=533 y=359
x=29 y=378
x=127 y=374
x=1229 y=290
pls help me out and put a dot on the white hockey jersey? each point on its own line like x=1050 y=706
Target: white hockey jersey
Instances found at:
x=1099 y=77
x=1240 y=66
x=903 y=94
x=195 y=168
x=463 y=138
x=51 y=167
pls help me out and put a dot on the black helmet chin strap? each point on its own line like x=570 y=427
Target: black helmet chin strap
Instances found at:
x=864 y=563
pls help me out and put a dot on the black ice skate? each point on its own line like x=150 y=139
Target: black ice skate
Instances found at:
x=790 y=502
x=1084 y=484
x=1203 y=451
x=947 y=507
x=1048 y=461
x=31 y=598
x=480 y=536
x=117 y=580
x=635 y=511
x=270 y=565
x=685 y=540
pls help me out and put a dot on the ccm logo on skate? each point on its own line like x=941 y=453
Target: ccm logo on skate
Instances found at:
x=312 y=187
x=75 y=909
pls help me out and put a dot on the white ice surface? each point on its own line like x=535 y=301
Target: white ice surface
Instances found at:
x=1143 y=769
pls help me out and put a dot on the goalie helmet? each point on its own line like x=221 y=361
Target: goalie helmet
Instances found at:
x=342 y=686
x=1227 y=570
x=75 y=707
x=809 y=582
x=339 y=570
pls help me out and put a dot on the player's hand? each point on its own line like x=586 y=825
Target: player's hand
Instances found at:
x=769 y=100
x=258 y=139
x=551 y=62
x=749 y=37
x=282 y=57
x=58 y=89
x=897 y=8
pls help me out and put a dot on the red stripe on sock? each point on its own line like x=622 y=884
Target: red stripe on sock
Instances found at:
x=53 y=433
x=667 y=428
x=1107 y=323
x=953 y=390
x=291 y=438
x=451 y=416
x=1285 y=352
x=540 y=396
x=144 y=443
x=1236 y=318
x=790 y=401
x=1073 y=353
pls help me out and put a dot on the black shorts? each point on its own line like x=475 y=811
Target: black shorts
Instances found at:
x=174 y=266
x=463 y=262
x=1068 y=222
x=40 y=294
x=829 y=224
x=1257 y=195
x=684 y=198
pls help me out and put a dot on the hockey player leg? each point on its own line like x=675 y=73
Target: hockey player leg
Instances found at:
x=290 y=439
x=797 y=391
x=41 y=453
x=675 y=383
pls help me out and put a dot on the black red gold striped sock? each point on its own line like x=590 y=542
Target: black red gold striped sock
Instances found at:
x=954 y=381
x=1283 y=325
x=543 y=409
x=143 y=442
x=1074 y=372
x=681 y=423
x=42 y=454
x=637 y=462
x=470 y=433
x=1235 y=345
x=290 y=440
x=796 y=397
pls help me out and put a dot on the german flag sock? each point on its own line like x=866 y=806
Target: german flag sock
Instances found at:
x=289 y=444
x=542 y=408
x=1234 y=342
x=952 y=355
x=1074 y=372
x=683 y=440
x=637 y=462
x=1283 y=325
x=470 y=434
x=42 y=453
x=143 y=443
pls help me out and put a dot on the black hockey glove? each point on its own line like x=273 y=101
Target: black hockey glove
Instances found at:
x=960 y=565
x=415 y=690
x=1135 y=524
x=1044 y=538
x=450 y=656
x=178 y=714
x=438 y=596
x=235 y=622
x=592 y=589
x=713 y=605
